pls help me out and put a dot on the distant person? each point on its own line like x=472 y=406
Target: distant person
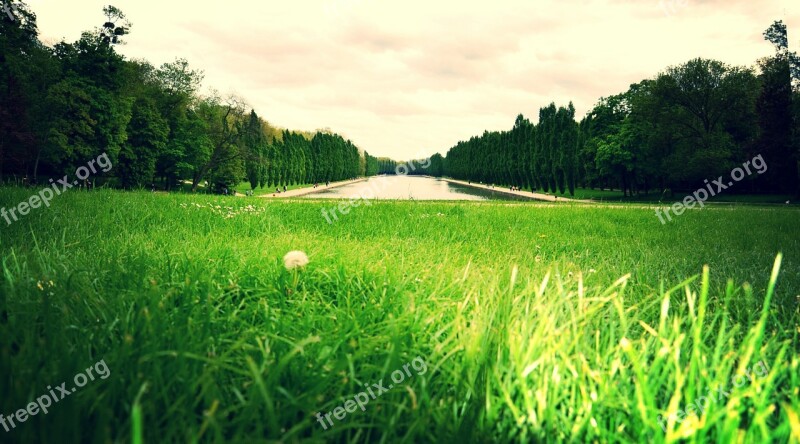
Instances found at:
x=284 y=188
x=277 y=190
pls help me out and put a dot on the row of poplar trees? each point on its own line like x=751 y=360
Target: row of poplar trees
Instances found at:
x=690 y=123
x=539 y=156
x=296 y=158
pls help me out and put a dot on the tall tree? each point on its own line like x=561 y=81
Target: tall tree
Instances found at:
x=147 y=136
x=221 y=161
x=775 y=115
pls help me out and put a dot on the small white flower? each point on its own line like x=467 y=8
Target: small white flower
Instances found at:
x=294 y=259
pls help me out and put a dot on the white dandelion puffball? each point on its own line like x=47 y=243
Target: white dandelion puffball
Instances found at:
x=295 y=259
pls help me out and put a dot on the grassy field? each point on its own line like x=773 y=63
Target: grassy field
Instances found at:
x=666 y=198
x=507 y=322
x=243 y=187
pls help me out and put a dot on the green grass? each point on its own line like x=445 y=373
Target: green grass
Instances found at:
x=243 y=188
x=677 y=196
x=536 y=322
x=617 y=196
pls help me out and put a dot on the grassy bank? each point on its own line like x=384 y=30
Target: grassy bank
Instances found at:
x=533 y=321
x=677 y=196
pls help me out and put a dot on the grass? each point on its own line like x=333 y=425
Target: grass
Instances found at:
x=535 y=322
x=677 y=196
x=656 y=197
x=243 y=187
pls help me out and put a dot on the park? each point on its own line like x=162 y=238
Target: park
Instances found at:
x=623 y=268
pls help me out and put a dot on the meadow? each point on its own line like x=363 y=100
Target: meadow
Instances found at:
x=534 y=322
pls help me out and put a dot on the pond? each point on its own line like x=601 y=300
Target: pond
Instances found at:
x=410 y=188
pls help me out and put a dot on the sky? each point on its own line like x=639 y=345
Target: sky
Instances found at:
x=406 y=79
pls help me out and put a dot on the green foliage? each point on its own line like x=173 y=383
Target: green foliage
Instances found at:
x=115 y=27
x=543 y=156
x=776 y=118
x=85 y=121
x=690 y=123
x=66 y=104
x=148 y=132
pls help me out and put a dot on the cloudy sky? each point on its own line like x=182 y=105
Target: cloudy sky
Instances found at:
x=409 y=78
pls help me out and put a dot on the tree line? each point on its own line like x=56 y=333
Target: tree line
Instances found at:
x=64 y=104
x=689 y=123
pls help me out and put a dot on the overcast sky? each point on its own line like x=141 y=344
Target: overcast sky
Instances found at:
x=409 y=78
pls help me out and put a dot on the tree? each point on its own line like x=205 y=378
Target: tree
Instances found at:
x=775 y=115
x=175 y=85
x=253 y=146
x=703 y=101
x=220 y=159
x=147 y=136
x=86 y=122
x=25 y=71
x=115 y=27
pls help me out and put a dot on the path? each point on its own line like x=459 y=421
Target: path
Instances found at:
x=310 y=190
x=527 y=194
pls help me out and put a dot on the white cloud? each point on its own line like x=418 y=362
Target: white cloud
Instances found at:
x=398 y=77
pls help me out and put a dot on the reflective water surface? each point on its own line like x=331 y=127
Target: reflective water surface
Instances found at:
x=409 y=188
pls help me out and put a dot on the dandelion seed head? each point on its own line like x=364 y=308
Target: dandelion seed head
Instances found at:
x=295 y=259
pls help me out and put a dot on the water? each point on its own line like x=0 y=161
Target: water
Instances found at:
x=409 y=188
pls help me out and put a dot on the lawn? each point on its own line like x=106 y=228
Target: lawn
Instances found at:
x=243 y=187
x=507 y=322
x=676 y=196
